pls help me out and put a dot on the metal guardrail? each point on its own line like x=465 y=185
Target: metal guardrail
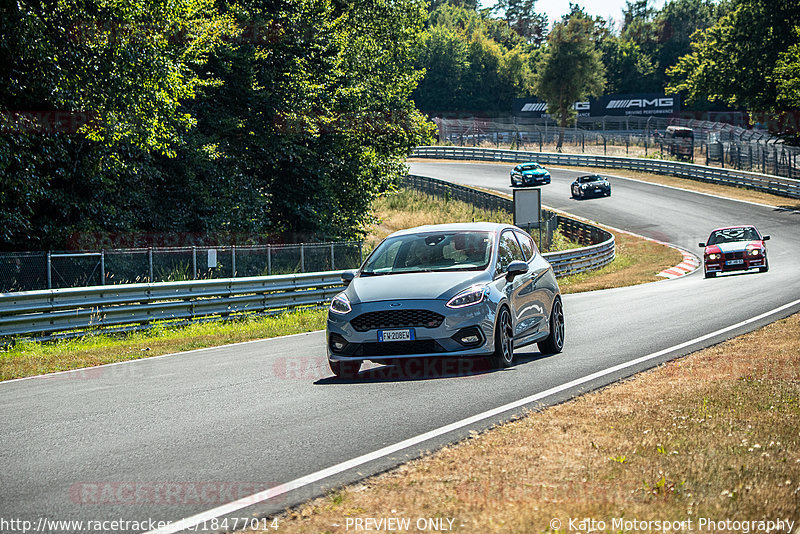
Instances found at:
x=136 y=306
x=776 y=185
x=72 y=312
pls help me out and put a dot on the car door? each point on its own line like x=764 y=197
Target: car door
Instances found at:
x=539 y=295
x=518 y=290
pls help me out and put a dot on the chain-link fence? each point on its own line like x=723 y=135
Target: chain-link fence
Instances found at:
x=25 y=271
x=711 y=143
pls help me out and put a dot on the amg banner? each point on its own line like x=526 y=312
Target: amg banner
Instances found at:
x=616 y=105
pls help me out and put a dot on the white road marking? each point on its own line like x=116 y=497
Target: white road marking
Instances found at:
x=256 y=498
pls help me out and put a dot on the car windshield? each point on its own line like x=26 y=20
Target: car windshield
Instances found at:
x=586 y=179
x=425 y=252
x=730 y=235
x=530 y=167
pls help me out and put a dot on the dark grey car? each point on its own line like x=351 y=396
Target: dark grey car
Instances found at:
x=452 y=290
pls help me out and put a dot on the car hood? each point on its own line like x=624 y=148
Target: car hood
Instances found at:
x=737 y=245
x=537 y=172
x=413 y=286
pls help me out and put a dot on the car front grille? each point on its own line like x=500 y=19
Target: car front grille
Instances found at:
x=734 y=255
x=398 y=348
x=397 y=319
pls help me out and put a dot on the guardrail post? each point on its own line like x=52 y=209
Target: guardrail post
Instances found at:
x=150 y=264
x=269 y=259
x=333 y=265
x=49 y=271
x=103 y=267
x=233 y=261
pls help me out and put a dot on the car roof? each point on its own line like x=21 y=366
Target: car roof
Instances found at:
x=455 y=227
x=528 y=163
x=734 y=226
x=591 y=176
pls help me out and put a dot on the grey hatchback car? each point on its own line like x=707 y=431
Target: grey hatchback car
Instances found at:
x=449 y=290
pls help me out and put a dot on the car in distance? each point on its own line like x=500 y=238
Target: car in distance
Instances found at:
x=735 y=248
x=450 y=290
x=590 y=185
x=529 y=174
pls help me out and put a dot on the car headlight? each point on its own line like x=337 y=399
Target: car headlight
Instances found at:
x=755 y=251
x=340 y=304
x=714 y=256
x=468 y=297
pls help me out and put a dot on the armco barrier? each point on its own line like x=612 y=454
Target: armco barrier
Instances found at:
x=76 y=311
x=137 y=305
x=785 y=187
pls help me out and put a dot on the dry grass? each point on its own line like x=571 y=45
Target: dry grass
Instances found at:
x=715 y=435
x=406 y=208
x=637 y=261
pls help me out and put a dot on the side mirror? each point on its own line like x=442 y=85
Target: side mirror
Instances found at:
x=516 y=268
x=765 y=238
x=347 y=277
x=701 y=245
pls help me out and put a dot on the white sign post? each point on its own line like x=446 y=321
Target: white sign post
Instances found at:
x=528 y=209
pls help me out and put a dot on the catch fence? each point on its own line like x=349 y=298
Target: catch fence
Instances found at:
x=26 y=271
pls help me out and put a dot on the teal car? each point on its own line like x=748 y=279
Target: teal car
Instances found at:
x=529 y=174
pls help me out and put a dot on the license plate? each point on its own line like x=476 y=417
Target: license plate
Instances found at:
x=396 y=335
x=597 y=190
x=734 y=262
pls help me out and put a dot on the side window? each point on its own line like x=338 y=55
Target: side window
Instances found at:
x=508 y=251
x=528 y=246
x=387 y=260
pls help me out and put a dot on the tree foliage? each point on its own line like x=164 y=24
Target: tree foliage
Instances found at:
x=230 y=120
x=472 y=63
x=746 y=59
x=571 y=68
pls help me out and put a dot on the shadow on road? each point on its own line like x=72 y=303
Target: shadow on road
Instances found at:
x=414 y=369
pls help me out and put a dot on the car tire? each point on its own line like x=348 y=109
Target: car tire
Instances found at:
x=711 y=275
x=554 y=343
x=608 y=194
x=765 y=268
x=503 y=341
x=345 y=369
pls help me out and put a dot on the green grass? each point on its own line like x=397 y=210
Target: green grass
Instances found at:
x=29 y=358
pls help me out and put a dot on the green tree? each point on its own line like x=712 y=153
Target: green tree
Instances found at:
x=742 y=59
x=472 y=63
x=628 y=68
x=570 y=69
x=522 y=17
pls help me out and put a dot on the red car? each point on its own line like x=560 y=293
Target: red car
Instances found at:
x=735 y=248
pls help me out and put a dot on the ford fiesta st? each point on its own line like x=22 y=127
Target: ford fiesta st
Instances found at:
x=529 y=174
x=590 y=185
x=452 y=290
x=735 y=248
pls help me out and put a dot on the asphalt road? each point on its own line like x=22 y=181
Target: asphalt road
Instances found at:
x=169 y=437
